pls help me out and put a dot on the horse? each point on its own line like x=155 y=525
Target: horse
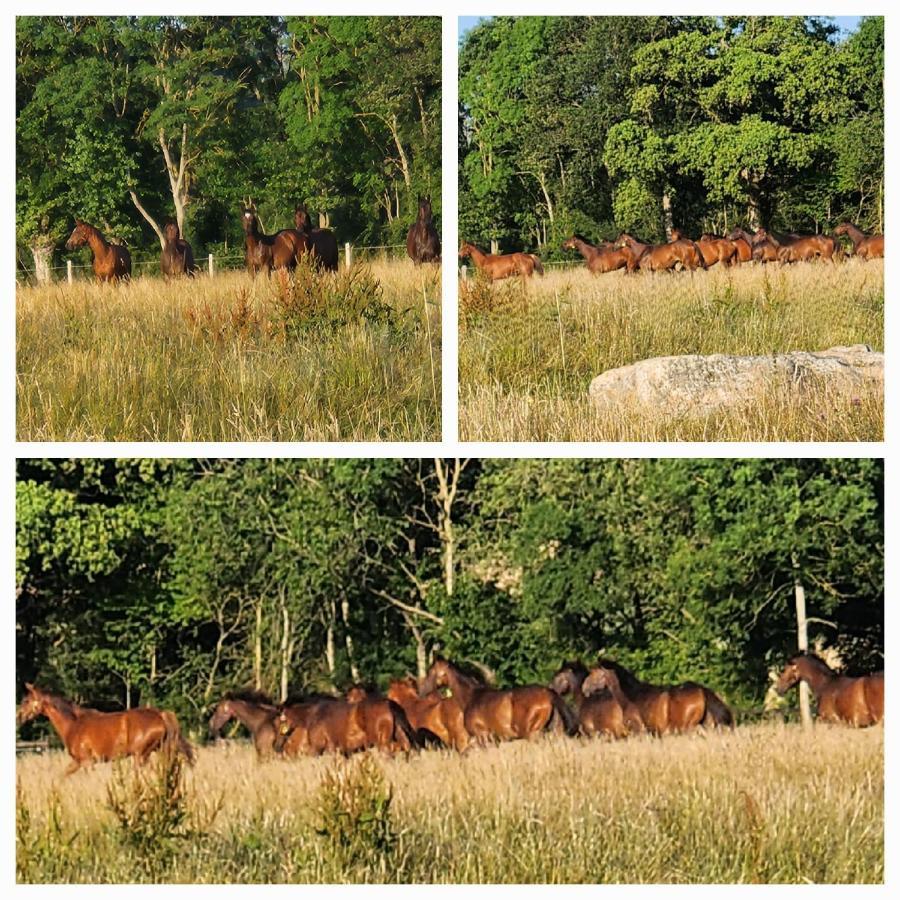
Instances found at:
x=269 y=251
x=177 y=257
x=110 y=262
x=432 y=714
x=717 y=249
x=662 y=257
x=386 y=724
x=790 y=248
x=765 y=249
x=600 y=260
x=500 y=714
x=255 y=712
x=321 y=242
x=92 y=736
x=422 y=242
x=600 y=712
x=502 y=265
x=867 y=246
x=839 y=698
x=662 y=709
x=743 y=244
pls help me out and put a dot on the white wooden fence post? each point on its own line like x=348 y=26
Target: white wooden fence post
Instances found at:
x=70 y=277
x=348 y=255
x=212 y=266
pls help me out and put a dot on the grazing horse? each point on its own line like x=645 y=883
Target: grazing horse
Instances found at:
x=269 y=251
x=502 y=265
x=717 y=250
x=867 y=246
x=92 y=736
x=110 y=262
x=320 y=242
x=743 y=244
x=662 y=709
x=600 y=713
x=839 y=698
x=422 y=242
x=509 y=714
x=432 y=714
x=255 y=712
x=662 y=257
x=600 y=260
x=177 y=257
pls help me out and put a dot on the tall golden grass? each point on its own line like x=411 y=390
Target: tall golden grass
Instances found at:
x=764 y=803
x=340 y=357
x=528 y=353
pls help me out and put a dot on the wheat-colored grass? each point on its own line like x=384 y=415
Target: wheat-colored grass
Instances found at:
x=528 y=354
x=212 y=360
x=764 y=803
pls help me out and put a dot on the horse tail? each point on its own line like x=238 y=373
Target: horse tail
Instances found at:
x=174 y=737
x=717 y=713
x=538 y=265
x=701 y=262
x=404 y=734
x=561 y=717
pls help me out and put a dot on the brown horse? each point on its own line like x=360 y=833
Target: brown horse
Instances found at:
x=269 y=251
x=502 y=265
x=432 y=714
x=255 y=712
x=386 y=724
x=765 y=249
x=600 y=260
x=92 y=736
x=110 y=262
x=422 y=242
x=743 y=244
x=177 y=257
x=790 y=248
x=662 y=709
x=717 y=249
x=320 y=242
x=600 y=713
x=866 y=246
x=508 y=714
x=856 y=701
x=662 y=257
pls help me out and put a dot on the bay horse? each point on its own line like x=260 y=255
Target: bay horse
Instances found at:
x=92 y=736
x=866 y=246
x=386 y=724
x=177 y=257
x=602 y=259
x=432 y=714
x=110 y=262
x=320 y=242
x=500 y=714
x=255 y=712
x=743 y=244
x=599 y=712
x=764 y=247
x=662 y=709
x=792 y=247
x=839 y=698
x=502 y=265
x=662 y=257
x=422 y=242
x=269 y=251
x=717 y=249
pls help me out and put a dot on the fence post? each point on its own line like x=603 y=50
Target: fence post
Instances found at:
x=464 y=272
x=70 y=277
x=212 y=266
x=348 y=254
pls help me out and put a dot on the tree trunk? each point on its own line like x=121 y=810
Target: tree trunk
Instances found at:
x=348 y=638
x=547 y=201
x=42 y=254
x=404 y=162
x=176 y=173
x=285 y=650
x=153 y=223
x=329 y=644
x=257 y=649
x=448 y=483
x=802 y=640
x=668 y=222
x=127 y=692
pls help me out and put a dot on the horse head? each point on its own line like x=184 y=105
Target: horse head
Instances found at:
x=79 y=236
x=598 y=679
x=301 y=220
x=32 y=704
x=439 y=675
x=789 y=676
x=171 y=231
x=465 y=250
x=357 y=693
x=568 y=679
x=221 y=714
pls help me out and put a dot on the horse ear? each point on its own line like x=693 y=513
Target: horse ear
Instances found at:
x=29 y=686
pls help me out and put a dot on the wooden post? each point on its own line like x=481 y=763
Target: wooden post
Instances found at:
x=464 y=272
x=348 y=255
x=802 y=641
x=495 y=247
x=212 y=266
x=70 y=275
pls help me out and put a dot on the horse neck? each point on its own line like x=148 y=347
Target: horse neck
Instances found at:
x=584 y=248
x=816 y=674
x=478 y=256
x=60 y=720
x=98 y=244
x=854 y=234
x=249 y=714
x=462 y=685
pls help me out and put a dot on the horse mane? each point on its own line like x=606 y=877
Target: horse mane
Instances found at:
x=815 y=659
x=297 y=699
x=248 y=695
x=627 y=679
x=465 y=673
x=576 y=665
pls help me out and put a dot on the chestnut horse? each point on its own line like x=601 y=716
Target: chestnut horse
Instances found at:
x=385 y=721
x=92 y=736
x=177 y=257
x=255 y=712
x=717 y=250
x=109 y=261
x=743 y=244
x=867 y=246
x=599 y=713
x=839 y=698
x=662 y=257
x=662 y=709
x=321 y=242
x=432 y=714
x=792 y=248
x=507 y=714
x=600 y=260
x=422 y=242
x=502 y=265
x=269 y=251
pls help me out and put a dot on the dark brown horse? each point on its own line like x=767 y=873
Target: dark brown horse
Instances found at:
x=502 y=265
x=177 y=256
x=856 y=701
x=599 y=713
x=255 y=712
x=600 y=260
x=663 y=709
x=264 y=252
x=422 y=242
x=432 y=714
x=321 y=242
x=866 y=246
x=92 y=736
x=493 y=714
x=662 y=257
x=743 y=244
x=110 y=262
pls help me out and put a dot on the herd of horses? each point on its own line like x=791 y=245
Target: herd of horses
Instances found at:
x=262 y=252
x=680 y=252
x=448 y=708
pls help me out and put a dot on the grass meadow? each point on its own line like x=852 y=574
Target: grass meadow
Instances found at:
x=345 y=357
x=527 y=354
x=764 y=803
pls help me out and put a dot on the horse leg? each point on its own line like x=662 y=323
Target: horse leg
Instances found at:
x=73 y=767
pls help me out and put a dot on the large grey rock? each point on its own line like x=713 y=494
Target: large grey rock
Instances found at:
x=697 y=385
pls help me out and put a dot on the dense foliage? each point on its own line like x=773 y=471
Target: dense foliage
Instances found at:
x=175 y=580
x=598 y=125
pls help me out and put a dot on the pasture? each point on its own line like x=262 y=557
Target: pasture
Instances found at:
x=345 y=357
x=763 y=803
x=529 y=351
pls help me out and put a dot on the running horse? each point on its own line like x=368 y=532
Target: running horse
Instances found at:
x=92 y=736
x=177 y=257
x=321 y=242
x=598 y=711
x=716 y=249
x=433 y=714
x=743 y=244
x=839 y=698
x=502 y=265
x=110 y=262
x=662 y=257
x=866 y=246
x=602 y=259
x=385 y=721
x=255 y=712
x=269 y=251
x=500 y=714
x=422 y=242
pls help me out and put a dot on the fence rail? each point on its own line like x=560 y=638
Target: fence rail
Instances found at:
x=32 y=746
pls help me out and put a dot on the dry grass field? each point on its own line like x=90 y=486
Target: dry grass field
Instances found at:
x=527 y=355
x=346 y=357
x=764 y=803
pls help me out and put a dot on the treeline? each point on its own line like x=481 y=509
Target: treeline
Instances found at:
x=187 y=116
x=173 y=581
x=610 y=124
